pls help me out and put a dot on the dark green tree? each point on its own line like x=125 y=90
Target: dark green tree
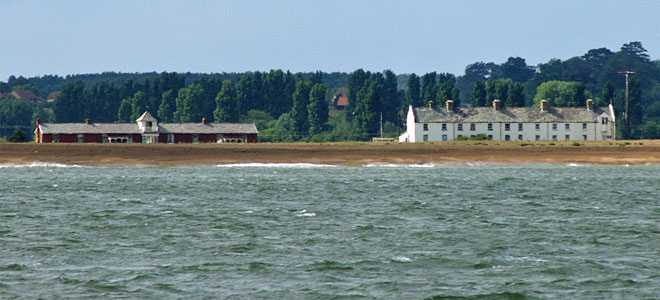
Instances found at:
x=69 y=103
x=300 y=110
x=478 y=96
x=429 y=89
x=516 y=95
x=191 y=104
x=607 y=94
x=18 y=136
x=318 y=109
x=227 y=104
x=167 y=107
x=413 y=96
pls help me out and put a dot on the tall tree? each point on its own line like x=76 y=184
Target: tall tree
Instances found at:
x=517 y=70
x=390 y=99
x=478 y=96
x=167 y=107
x=227 y=104
x=635 y=114
x=69 y=103
x=300 y=111
x=516 y=95
x=318 y=109
x=191 y=104
x=429 y=90
x=607 y=94
x=356 y=81
x=413 y=96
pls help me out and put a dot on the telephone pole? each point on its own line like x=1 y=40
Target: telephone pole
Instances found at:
x=626 y=121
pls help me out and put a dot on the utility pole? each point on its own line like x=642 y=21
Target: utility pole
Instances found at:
x=381 y=125
x=626 y=121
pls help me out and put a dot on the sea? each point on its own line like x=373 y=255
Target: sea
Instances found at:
x=306 y=231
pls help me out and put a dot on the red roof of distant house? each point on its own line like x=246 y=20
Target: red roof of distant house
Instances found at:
x=343 y=101
x=24 y=94
x=53 y=95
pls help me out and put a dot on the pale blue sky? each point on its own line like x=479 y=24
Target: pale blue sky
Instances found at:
x=73 y=37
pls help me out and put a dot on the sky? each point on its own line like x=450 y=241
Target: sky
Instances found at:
x=78 y=37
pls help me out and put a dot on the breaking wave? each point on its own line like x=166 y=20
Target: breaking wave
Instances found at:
x=275 y=165
x=37 y=164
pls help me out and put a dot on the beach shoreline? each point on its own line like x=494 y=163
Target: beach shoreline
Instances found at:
x=348 y=153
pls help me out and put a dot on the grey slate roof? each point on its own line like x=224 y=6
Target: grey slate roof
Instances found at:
x=131 y=128
x=508 y=115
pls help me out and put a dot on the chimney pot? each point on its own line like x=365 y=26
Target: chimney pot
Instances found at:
x=590 y=104
x=204 y=121
x=544 y=105
x=431 y=104
x=88 y=121
x=497 y=104
x=38 y=121
x=450 y=105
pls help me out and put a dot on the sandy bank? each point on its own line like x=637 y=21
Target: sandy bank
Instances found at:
x=597 y=152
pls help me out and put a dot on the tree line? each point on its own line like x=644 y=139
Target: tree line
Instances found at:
x=295 y=107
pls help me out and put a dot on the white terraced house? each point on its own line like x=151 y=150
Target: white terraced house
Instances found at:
x=504 y=124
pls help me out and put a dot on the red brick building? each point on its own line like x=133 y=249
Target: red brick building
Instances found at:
x=146 y=130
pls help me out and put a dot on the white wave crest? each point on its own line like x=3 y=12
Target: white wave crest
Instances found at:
x=36 y=164
x=305 y=213
x=401 y=259
x=385 y=165
x=275 y=165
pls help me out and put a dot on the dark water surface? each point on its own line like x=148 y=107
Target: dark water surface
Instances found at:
x=319 y=232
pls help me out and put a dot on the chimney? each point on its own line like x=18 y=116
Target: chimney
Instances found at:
x=544 y=105
x=38 y=121
x=590 y=104
x=88 y=121
x=497 y=104
x=431 y=104
x=450 y=105
x=204 y=121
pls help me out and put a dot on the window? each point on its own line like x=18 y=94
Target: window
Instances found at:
x=490 y=136
x=426 y=137
x=444 y=127
x=149 y=125
x=81 y=139
x=538 y=137
x=490 y=126
x=195 y=139
x=460 y=127
x=105 y=139
x=472 y=127
x=567 y=126
x=444 y=137
x=567 y=137
x=604 y=121
x=472 y=135
x=554 y=137
x=507 y=137
x=584 y=126
x=507 y=127
x=460 y=136
x=520 y=127
x=520 y=137
x=584 y=137
x=538 y=126
x=56 y=138
x=426 y=127
x=554 y=126
x=130 y=138
x=170 y=139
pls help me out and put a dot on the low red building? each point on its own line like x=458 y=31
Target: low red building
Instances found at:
x=146 y=130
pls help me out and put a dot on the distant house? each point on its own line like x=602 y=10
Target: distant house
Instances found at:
x=512 y=123
x=146 y=130
x=340 y=99
x=3 y=95
x=52 y=96
x=25 y=94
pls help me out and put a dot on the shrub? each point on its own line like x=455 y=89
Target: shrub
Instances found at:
x=576 y=144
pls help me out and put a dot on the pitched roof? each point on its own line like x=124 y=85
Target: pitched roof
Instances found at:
x=24 y=94
x=146 y=116
x=509 y=115
x=130 y=128
x=343 y=101
x=342 y=91
x=53 y=95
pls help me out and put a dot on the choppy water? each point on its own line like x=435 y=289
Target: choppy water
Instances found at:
x=321 y=232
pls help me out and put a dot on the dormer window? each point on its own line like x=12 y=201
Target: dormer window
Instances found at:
x=150 y=124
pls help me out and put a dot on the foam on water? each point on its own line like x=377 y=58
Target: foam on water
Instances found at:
x=275 y=165
x=36 y=164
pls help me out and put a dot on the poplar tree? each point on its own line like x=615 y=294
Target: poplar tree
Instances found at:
x=191 y=104
x=318 y=109
x=478 y=95
x=413 y=96
x=300 y=110
x=227 y=104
